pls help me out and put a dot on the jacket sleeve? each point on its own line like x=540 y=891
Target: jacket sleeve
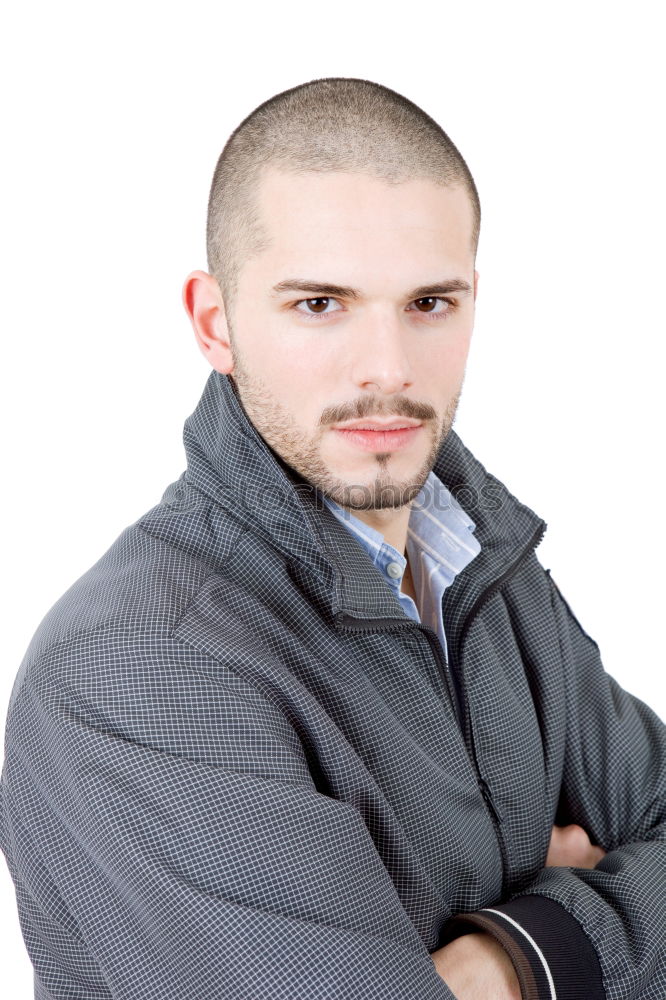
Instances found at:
x=167 y=841
x=595 y=933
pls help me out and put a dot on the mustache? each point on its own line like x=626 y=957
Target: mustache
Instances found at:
x=367 y=406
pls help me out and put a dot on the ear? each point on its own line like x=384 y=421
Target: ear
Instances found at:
x=204 y=305
x=476 y=283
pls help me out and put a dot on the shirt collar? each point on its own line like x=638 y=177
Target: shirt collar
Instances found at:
x=437 y=525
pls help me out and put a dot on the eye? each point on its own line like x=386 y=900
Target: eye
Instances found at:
x=318 y=307
x=428 y=301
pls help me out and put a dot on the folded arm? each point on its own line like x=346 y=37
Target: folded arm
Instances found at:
x=595 y=930
x=194 y=867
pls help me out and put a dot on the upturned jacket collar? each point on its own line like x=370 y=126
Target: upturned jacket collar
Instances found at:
x=229 y=461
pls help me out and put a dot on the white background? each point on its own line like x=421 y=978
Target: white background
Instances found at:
x=112 y=121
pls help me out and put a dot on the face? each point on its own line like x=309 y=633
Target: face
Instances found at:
x=385 y=350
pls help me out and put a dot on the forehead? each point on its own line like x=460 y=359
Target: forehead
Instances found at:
x=349 y=211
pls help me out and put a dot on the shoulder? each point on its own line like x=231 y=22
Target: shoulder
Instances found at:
x=123 y=610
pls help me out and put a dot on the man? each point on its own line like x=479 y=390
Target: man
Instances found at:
x=314 y=727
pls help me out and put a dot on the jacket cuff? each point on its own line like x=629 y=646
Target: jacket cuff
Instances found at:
x=553 y=957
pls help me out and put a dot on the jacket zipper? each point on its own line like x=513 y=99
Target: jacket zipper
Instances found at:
x=468 y=731
x=394 y=624
x=493 y=587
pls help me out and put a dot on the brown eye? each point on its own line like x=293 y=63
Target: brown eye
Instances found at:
x=314 y=308
x=318 y=304
x=436 y=307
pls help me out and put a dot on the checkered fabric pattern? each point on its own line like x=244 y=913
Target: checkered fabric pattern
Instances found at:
x=233 y=768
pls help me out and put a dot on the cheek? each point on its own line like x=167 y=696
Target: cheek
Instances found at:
x=302 y=380
x=442 y=363
x=281 y=351
x=307 y=366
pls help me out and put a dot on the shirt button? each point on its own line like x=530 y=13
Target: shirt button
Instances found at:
x=394 y=570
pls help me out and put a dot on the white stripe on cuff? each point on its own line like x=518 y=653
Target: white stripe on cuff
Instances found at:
x=531 y=940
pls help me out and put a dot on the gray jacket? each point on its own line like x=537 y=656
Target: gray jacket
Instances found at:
x=234 y=767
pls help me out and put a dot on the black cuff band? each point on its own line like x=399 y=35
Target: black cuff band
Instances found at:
x=552 y=955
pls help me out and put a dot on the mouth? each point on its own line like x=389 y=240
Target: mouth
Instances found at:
x=375 y=437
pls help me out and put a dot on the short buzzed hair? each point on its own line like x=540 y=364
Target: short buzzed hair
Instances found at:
x=333 y=123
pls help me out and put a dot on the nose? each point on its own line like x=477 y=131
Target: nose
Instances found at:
x=380 y=354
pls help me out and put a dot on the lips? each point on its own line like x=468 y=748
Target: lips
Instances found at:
x=377 y=425
x=370 y=437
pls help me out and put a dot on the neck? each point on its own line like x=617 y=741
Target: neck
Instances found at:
x=390 y=522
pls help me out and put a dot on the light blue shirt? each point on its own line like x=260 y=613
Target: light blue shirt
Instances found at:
x=440 y=543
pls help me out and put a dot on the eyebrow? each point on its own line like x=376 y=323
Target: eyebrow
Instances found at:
x=325 y=288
